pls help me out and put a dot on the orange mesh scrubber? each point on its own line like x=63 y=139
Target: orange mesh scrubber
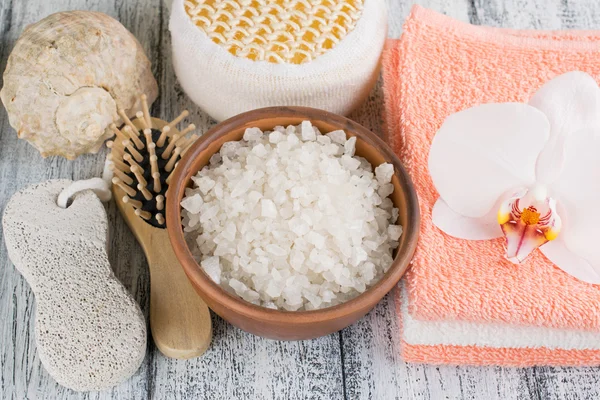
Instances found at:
x=232 y=56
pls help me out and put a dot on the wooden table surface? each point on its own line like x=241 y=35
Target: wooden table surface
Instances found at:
x=360 y=362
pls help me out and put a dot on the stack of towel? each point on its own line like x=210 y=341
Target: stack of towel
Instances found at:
x=462 y=302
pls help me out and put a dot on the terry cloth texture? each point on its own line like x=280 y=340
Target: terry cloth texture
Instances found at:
x=441 y=66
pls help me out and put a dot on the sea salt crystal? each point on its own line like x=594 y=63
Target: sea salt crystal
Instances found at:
x=228 y=150
x=252 y=134
x=276 y=250
x=316 y=239
x=338 y=137
x=298 y=226
x=307 y=131
x=239 y=287
x=394 y=231
x=350 y=163
x=230 y=231
x=268 y=209
x=209 y=213
x=322 y=139
x=215 y=159
x=385 y=190
x=384 y=173
x=297 y=260
x=286 y=212
x=251 y=296
x=350 y=146
x=254 y=197
x=260 y=150
x=275 y=136
x=292 y=219
x=193 y=204
x=242 y=187
x=273 y=289
x=205 y=184
x=212 y=268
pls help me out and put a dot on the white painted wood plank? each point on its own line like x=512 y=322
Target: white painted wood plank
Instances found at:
x=538 y=14
x=374 y=369
x=552 y=382
x=372 y=364
x=238 y=365
x=21 y=373
x=370 y=113
x=241 y=366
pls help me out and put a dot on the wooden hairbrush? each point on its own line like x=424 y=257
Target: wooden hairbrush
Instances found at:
x=144 y=153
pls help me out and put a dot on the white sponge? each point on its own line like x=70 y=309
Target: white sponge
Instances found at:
x=90 y=332
x=233 y=56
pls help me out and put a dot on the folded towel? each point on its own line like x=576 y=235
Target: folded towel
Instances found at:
x=441 y=66
x=462 y=342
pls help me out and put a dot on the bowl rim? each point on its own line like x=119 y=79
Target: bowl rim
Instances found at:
x=208 y=288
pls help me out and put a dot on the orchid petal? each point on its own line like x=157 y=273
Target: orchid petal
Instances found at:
x=571 y=102
x=480 y=153
x=577 y=191
x=453 y=224
x=572 y=264
x=528 y=219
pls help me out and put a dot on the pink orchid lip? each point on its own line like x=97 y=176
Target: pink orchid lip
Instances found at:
x=528 y=221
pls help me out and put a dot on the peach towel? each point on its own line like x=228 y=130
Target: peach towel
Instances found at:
x=441 y=66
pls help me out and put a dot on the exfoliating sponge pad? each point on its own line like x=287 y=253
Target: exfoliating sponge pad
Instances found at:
x=90 y=332
x=232 y=56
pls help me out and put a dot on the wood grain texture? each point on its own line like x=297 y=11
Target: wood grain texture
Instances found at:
x=180 y=321
x=362 y=362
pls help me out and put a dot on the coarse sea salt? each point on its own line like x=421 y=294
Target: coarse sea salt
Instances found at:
x=292 y=219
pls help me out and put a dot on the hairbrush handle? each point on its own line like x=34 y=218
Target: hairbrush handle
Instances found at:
x=179 y=319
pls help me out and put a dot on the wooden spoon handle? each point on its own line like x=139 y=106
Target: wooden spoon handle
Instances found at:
x=179 y=319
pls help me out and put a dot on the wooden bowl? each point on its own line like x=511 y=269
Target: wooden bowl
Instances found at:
x=291 y=325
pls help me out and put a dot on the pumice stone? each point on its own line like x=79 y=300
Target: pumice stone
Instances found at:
x=90 y=332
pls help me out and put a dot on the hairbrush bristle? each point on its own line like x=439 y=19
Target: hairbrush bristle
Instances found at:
x=143 y=214
x=145 y=158
x=174 y=157
x=179 y=118
x=145 y=110
x=126 y=188
x=121 y=175
x=134 y=136
x=134 y=203
x=138 y=172
x=163 y=136
x=130 y=125
x=116 y=160
x=172 y=142
x=160 y=202
x=133 y=151
x=144 y=191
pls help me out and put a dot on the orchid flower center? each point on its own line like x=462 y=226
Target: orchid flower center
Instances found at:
x=530 y=216
x=528 y=219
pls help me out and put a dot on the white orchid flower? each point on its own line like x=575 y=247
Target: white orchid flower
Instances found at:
x=530 y=172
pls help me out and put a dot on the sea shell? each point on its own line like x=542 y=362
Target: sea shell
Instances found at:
x=66 y=78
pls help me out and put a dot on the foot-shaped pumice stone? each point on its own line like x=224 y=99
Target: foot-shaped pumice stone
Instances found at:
x=90 y=332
